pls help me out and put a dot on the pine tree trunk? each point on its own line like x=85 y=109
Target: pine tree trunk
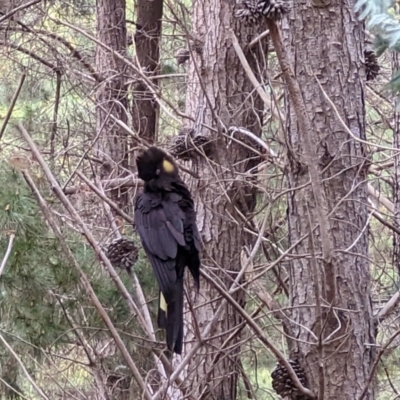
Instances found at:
x=112 y=143
x=328 y=42
x=147 y=42
x=221 y=99
x=111 y=94
x=396 y=180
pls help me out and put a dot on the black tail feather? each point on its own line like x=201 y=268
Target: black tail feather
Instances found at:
x=174 y=319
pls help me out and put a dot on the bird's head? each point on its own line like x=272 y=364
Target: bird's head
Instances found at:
x=154 y=163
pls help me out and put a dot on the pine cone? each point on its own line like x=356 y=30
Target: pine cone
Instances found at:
x=182 y=55
x=253 y=10
x=122 y=253
x=184 y=145
x=371 y=64
x=281 y=381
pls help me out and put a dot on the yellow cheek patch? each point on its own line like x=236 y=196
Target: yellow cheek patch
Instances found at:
x=168 y=166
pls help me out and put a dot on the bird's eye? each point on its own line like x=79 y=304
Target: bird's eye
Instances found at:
x=158 y=171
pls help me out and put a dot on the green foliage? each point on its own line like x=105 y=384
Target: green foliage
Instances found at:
x=40 y=295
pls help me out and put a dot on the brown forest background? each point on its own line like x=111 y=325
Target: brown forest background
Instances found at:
x=290 y=153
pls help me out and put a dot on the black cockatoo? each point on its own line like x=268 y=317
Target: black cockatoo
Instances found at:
x=166 y=222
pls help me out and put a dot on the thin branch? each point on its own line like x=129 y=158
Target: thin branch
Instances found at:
x=138 y=291
x=250 y=74
x=105 y=198
x=55 y=115
x=347 y=129
x=128 y=181
x=93 y=364
x=388 y=307
x=74 y=52
x=8 y=252
x=29 y=53
x=258 y=39
x=375 y=365
x=260 y=335
x=13 y=389
x=110 y=269
x=83 y=277
x=20 y=8
x=12 y=105
x=379 y=217
x=208 y=331
x=260 y=290
x=251 y=135
x=152 y=88
x=381 y=198
x=25 y=371
x=89 y=148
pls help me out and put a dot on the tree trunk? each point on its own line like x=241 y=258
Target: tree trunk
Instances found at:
x=396 y=180
x=331 y=303
x=147 y=41
x=111 y=95
x=112 y=140
x=222 y=99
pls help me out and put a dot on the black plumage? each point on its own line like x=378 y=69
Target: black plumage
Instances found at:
x=253 y=10
x=166 y=222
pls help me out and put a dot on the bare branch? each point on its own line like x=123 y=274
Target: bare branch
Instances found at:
x=380 y=197
x=388 y=307
x=257 y=39
x=12 y=105
x=20 y=8
x=128 y=181
x=347 y=128
x=84 y=280
x=8 y=252
x=378 y=358
x=105 y=198
x=30 y=53
x=39 y=391
x=260 y=335
x=260 y=91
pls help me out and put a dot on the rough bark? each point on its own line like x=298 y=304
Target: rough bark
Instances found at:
x=111 y=94
x=218 y=96
x=396 y=180
x=111 y=143
x=147 y=40
x=338 y=354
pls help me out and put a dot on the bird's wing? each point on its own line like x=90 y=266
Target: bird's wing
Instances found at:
x=159 y=223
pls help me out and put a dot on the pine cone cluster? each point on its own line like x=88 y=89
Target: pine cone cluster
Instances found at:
x=253 y=10
x=185 y=145
x=371 y=64
x=122 y=253
x=281 y=381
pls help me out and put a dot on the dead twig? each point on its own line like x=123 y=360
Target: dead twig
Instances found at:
x=54 y=123
x=39 y=391
x=12 y=105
